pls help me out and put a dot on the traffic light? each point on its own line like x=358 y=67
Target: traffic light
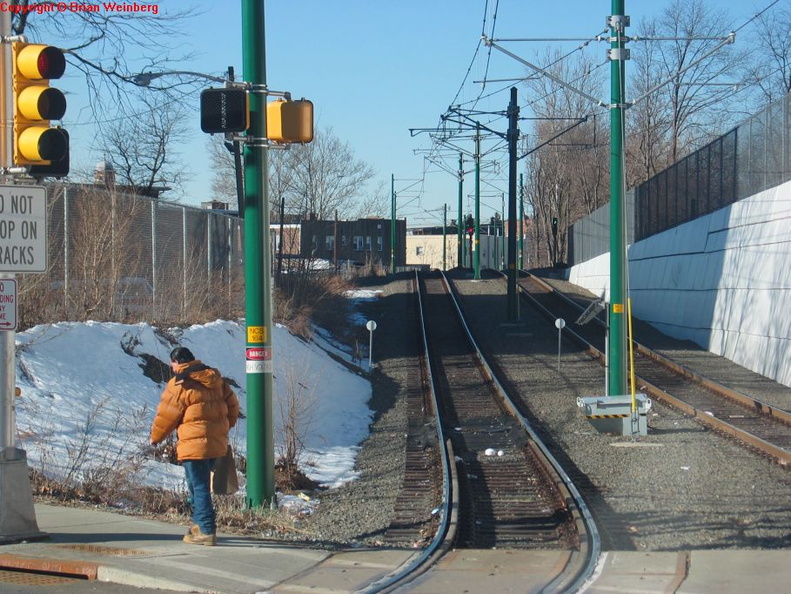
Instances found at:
x=554 y=225
x=36 y=143
x=289 y=121
x=224 y=110
x=56 y=167
x=470 y=224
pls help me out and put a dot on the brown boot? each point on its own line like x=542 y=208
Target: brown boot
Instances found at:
x=193 y=529
x=197 y=537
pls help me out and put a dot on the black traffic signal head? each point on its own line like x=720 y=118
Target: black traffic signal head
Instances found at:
x=224 y=110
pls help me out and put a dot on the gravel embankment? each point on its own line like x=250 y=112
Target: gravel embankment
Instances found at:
x=680 y=487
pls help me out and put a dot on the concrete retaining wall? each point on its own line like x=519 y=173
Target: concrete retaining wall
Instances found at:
x=722 y=281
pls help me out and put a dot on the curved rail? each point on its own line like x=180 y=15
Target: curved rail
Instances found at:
x=446 y=532
x=577 y=572
x=771 y=414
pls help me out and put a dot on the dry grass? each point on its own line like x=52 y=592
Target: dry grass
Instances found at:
x=302 y=299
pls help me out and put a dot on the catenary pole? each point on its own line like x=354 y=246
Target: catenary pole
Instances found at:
x=444 y=237
x=617 y=313
x=513 y=137
x=392 y=222
x=476 y=247
x=460 y=220
x=521 y=221
x=257 y=268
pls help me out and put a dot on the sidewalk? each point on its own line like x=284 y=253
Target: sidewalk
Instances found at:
x=145 y=553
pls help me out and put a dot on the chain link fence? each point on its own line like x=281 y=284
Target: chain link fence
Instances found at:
x=752 y=157
x=122 y=257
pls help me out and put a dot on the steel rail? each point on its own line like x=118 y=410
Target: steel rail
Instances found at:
x=581 y=569
x=446 y=533
x=780 y=455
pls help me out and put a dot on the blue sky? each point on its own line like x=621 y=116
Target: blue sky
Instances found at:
x=374 y=69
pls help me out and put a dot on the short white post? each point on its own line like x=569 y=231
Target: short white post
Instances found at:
x=371 y=325
x=560 y=323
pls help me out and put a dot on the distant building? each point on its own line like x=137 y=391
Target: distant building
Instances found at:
x=104 y=177
x=424 y=248
x=362 y=242
x=215 y=205
x=104 y=174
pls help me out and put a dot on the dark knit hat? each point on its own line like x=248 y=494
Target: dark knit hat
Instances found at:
x=181 y=355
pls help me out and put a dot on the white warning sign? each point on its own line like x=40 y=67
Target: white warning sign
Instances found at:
x=23 y=229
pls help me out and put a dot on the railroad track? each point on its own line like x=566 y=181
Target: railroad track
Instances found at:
x=501 y=488
x=754 y=423
x=507 y=497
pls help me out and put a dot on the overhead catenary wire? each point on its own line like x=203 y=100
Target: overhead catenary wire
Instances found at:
x=451 y=131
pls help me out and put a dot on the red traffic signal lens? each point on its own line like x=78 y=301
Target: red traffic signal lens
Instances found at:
x=51 y=62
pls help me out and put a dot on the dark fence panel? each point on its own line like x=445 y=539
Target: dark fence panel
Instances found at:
x=752 y=157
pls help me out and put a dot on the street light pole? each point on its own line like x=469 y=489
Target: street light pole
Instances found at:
x=258 y=268
x=144 y=78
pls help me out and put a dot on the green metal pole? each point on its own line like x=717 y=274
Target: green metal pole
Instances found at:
x=257 y=269
x=617 y=366
x=460 y=224
x=503 y=219
x=513 y=137
x=392 y=223
x=521 y=222
x=444 y=237
x=476 y=247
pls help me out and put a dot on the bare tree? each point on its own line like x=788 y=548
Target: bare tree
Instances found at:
x=325 y=176
x=648 y=121
x=106 y=257
x=567 y=176
x=98 y=43
x=684 y=39
x=770 y=70
x=374 y=204
x=110 y=48
x=142 y=148
x=223 y=183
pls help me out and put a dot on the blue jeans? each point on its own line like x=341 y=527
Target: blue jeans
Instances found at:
x=198 y=482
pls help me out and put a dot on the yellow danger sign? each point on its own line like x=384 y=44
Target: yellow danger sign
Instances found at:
x=256 y=334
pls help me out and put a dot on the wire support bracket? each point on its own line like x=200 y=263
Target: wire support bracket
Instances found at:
x=618 y=22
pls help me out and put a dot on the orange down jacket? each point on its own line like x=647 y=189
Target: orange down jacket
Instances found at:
x=201 y=405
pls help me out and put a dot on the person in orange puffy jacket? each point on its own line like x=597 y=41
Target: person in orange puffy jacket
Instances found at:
x=200 y=405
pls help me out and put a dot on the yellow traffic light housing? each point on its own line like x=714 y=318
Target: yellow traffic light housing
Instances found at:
x=289 y=121
x=35 y=104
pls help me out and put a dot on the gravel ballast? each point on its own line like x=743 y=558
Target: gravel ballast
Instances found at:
x=681 y=487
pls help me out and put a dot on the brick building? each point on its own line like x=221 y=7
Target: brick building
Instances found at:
x=362 y=242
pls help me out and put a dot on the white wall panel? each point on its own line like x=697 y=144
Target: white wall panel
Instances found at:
x=723 y=280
